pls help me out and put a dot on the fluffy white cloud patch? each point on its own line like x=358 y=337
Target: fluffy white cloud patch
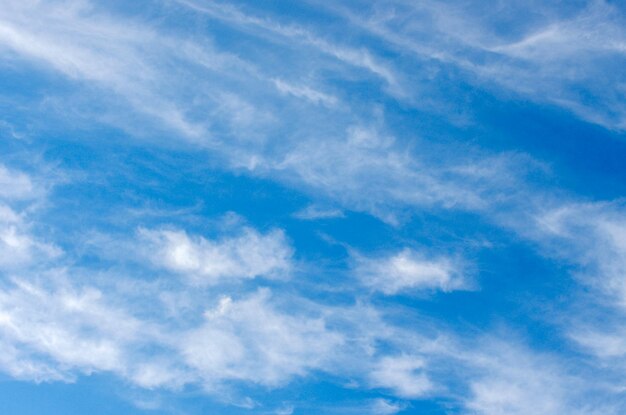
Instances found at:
x=407 y=271
x=404 y=375
x=57 y=330
x=250 y=340
x=247 y=255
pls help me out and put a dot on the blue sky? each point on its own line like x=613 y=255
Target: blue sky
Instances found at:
x=305 y=207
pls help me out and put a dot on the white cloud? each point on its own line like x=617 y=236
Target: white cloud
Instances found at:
x=288 y=410
x=240 y=109
x=368 y=170
x=52 y=328
x=603 y=344
x=305 y=92
x=408 y=271
x=352 y=56
x=59 y=331
x=57 y=324
x=549 y=52
x=250 y=340
x=313 y=212
x=177 y=81
x=591 y=236
x=108 y=53
x=386 y=407
x=18 y=245
x=56 y=331
x=404 y=375
x=15 y=185
x=515 y=381
x=247 y=255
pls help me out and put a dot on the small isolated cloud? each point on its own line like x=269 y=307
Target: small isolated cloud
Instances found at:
x=386 y=407
x=247 y=255
x=403 y=375
x=407 y=270
x=305 y=92
x=313 y=212
x=285 y=410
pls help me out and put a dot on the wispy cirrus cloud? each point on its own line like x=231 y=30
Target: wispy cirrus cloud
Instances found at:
x=600 y=255
x=240 y=109
x=19 y=246
x=313 y=212
x=534 y=57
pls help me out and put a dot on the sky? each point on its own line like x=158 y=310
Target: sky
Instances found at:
x=311 y=207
